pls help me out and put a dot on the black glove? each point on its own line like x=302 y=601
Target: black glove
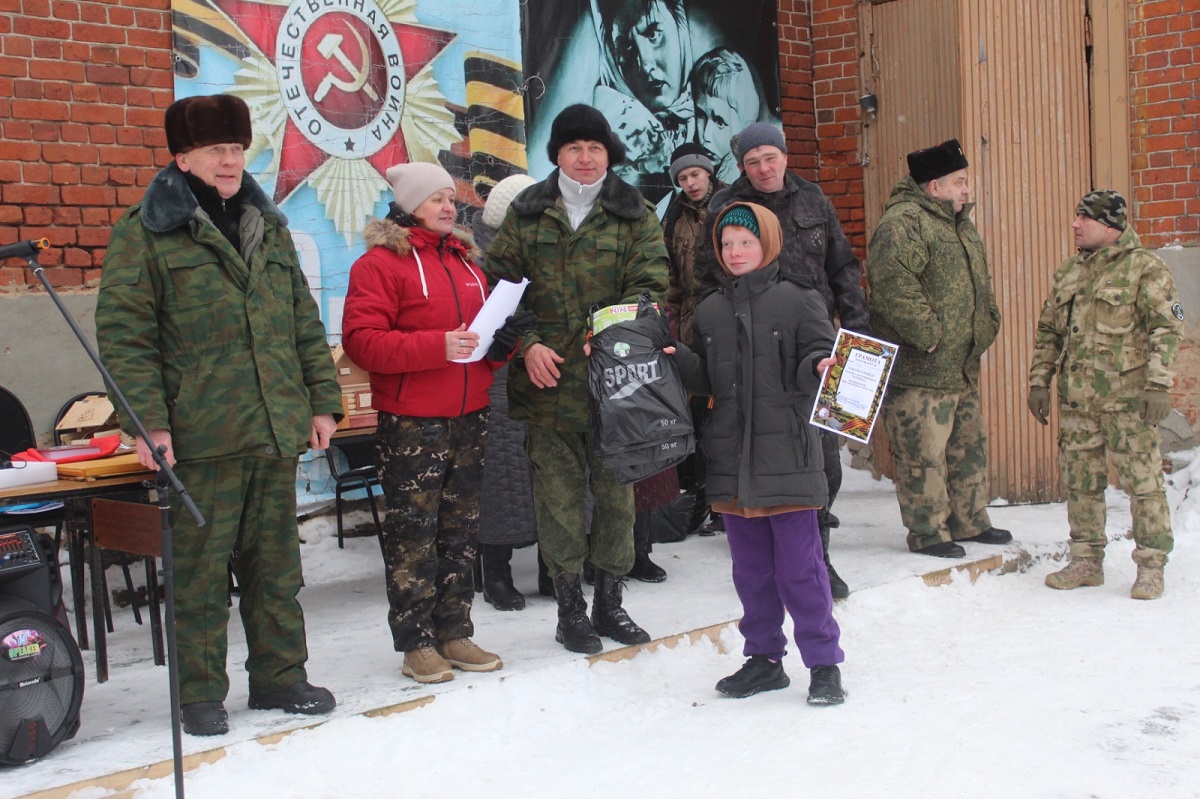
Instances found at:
x=507 y=336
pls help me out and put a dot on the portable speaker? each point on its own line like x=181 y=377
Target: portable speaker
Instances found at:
x=41 y=668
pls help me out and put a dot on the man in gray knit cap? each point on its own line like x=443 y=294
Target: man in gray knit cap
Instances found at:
x=814 y=246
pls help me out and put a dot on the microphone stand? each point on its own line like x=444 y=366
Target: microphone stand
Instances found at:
x=164 y=482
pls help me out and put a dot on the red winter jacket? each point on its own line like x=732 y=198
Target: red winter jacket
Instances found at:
x=406 y=292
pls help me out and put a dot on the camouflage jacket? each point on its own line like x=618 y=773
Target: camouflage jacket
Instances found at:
x=929 y=289
x=1111 y=327
x=616 y=254
x=224 y=349
x=683 y=228
x=814 y=245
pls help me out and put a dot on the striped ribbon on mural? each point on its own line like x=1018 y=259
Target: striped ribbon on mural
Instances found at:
x=495 y=120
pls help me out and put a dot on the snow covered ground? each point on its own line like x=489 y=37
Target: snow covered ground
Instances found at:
x=1001 y=688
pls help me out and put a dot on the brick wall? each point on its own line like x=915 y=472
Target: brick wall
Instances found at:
x=796 y=85
x=836 y=89
x=1165 y=106
x=83 y=85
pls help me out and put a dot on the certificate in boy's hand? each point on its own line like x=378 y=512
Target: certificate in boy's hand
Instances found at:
x=851 y=391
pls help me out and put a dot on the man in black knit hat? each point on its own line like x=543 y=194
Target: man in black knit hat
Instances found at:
x=584 y=238
x=207 y=324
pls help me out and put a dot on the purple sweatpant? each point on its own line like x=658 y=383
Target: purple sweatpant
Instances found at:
x=778 y=564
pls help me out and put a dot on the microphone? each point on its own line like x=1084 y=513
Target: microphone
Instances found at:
x=23 y=249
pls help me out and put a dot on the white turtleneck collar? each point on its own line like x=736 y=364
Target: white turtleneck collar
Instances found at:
x=577 y=198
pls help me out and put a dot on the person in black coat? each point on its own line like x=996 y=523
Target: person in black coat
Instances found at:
x=762 y=341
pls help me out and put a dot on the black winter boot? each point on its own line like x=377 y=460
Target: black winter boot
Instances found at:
x=757 y=674
x=608 y=617
x=204 y=718
x=837 y=586
x=644 y=569
x=825 y=687
x=574 y=630
x=498 y=588
x=545 y=584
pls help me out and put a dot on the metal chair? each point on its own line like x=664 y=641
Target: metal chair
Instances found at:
x=354 y=469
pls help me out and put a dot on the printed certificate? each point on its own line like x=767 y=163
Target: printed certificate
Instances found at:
x=853 y=388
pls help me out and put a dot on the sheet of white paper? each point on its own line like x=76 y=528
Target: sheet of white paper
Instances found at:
x=500 y=305
x=860 y=382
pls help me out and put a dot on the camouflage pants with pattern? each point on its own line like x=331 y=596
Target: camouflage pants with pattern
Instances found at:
x=940 y=447
x=565 y=466
x=249 y=505
x=431 y=470
x=1084 y=439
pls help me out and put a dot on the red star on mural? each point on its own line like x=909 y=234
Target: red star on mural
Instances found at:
x=300 y=156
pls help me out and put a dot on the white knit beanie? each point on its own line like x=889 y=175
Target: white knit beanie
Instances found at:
x=415 y=182
x=501 y=196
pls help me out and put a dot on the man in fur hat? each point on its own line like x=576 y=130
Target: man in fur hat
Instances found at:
x=207 y=325
x=930 y=292
x=584 y=238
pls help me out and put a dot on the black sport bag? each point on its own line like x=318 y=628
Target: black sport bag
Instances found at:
x=637 y=405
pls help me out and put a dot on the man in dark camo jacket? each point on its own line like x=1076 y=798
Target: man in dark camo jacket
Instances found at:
x=207 y=325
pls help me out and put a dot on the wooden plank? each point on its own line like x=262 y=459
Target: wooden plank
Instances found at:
x=101 y=467
x=131 y=527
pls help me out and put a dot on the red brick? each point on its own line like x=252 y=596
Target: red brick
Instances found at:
x=70 y=153
x=37 y=215
x=62 y=9
x=88 y=195
x=97 y=73
x=41 y=27
x=35 y=172
x=13 y=66
x=30 y=195
x=96 y=114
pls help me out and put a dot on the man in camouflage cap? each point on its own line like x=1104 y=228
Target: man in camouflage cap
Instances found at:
x=1110 y=328
x=930 y=291
x=207 y=325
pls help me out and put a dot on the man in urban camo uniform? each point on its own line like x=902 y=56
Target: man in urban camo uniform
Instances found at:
x=207 y=325
x=930 y=292
x=1110 y=328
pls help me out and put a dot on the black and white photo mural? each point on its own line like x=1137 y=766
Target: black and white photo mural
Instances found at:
x=663 y=72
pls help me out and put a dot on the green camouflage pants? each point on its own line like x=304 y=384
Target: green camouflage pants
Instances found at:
x=249 y=505
x=1084 y=439
x=564 y=467
x=431 y=469
x=940 y=448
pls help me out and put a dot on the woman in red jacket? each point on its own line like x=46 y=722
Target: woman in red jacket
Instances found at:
x=411 y=297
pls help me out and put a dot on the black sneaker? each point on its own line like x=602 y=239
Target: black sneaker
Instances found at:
x=944 y=549
x=992 y=535
x=204 y=718
x=301 y=697
x=759 y=673
x=825 y=686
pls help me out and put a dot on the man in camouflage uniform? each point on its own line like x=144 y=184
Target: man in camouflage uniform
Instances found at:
x=207 y=325
x=930 y=292
x=584 y=238
x=1110 y=328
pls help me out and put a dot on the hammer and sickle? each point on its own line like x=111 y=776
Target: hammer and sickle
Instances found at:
x=331 y=47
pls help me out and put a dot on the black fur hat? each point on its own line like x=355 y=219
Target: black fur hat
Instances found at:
x=198 y=121
x=936 y=162
x=583 y=123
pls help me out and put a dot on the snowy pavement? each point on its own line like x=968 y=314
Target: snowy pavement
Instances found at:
x=998 y=688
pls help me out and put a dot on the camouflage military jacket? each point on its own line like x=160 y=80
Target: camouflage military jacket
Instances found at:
x=1111 y=327
x=224 y=349
x=616 y=254
x=930 y=290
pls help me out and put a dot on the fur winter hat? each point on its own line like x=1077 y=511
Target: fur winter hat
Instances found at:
x=936 y=162
x=583 y=123
x=758 y=134
x=199 y=121
x=688 y=155
x=501 y=196
x=415 y=182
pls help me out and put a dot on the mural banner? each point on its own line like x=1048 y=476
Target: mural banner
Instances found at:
x=664 y=72
x=340 y=90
